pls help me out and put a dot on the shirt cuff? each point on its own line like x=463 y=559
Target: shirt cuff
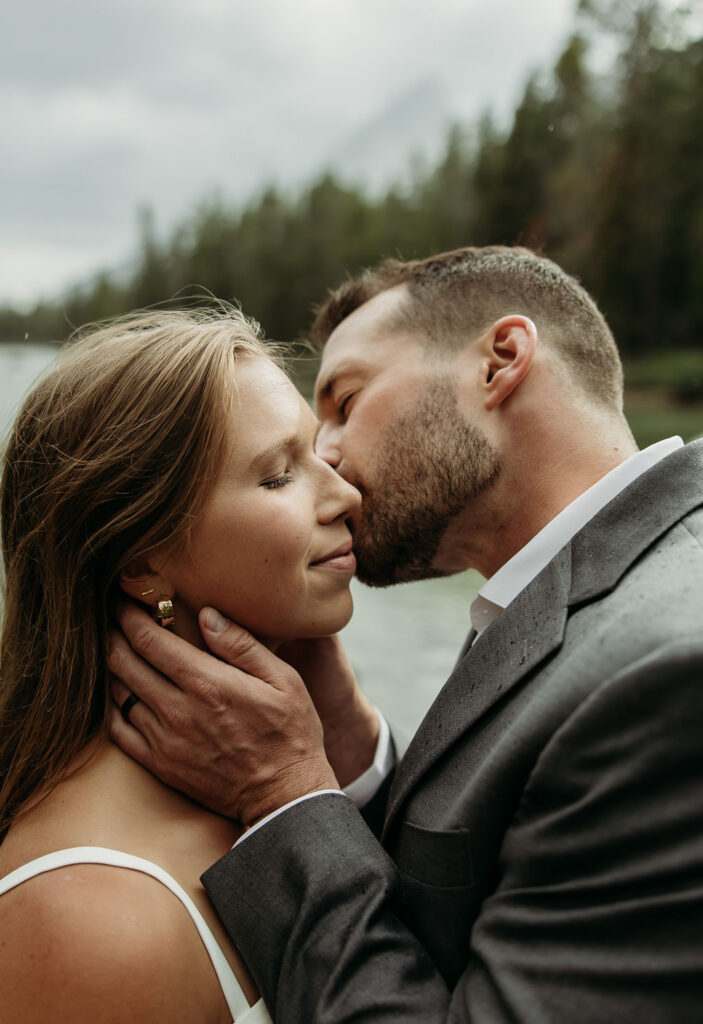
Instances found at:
x=280 y=810
x=367 y=785
x=360 y=790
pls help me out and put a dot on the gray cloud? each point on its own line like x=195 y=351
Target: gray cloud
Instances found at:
x=109 y=105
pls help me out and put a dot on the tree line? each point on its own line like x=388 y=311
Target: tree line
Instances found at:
x=603 y=172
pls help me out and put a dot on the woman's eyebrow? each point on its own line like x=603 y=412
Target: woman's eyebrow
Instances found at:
x=281 y=445
x=272 y=449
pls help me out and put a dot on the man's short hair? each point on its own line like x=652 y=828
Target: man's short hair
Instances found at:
x=454 y=296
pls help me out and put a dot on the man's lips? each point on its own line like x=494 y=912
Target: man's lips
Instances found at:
x=341 y=558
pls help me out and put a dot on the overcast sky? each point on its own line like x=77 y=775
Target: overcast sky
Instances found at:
x=109 y=105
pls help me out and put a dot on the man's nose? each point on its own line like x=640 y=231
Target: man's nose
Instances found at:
x=327 y=444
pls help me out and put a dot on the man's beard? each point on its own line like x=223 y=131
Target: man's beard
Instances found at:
x=431 y=464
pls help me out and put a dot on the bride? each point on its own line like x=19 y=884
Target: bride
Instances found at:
x=168 y=457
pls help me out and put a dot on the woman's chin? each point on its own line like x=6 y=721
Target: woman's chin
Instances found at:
x=334 y=622
x=312 y=630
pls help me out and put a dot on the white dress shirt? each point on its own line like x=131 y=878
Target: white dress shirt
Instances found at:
x=503 y=587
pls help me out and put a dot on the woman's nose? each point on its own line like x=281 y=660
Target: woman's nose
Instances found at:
x=351 y=496
x=343 y=498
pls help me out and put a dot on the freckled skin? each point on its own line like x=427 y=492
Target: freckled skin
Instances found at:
x=265 y=522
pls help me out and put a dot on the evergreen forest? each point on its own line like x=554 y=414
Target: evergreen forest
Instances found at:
x=600 y=168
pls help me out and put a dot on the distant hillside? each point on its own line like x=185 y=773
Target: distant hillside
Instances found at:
x=381 y=153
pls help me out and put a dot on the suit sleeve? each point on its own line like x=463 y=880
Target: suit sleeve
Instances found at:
x=597 y=914
x=374 y=812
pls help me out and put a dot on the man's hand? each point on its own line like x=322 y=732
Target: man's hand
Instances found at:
x=348 y=718
x=241 y=737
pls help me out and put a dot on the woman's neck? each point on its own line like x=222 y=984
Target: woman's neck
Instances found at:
x=187 y=627
x=107 y=799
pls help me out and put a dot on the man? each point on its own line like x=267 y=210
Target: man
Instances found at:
x=542 y=841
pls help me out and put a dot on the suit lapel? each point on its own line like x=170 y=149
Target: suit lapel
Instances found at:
x=532 y=626
x=524 y=634
x=622 y=531
x=468 y=643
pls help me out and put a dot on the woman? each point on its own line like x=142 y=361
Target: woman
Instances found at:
x=167 y=456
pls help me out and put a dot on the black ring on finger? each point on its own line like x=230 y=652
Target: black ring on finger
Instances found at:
x=127 y=706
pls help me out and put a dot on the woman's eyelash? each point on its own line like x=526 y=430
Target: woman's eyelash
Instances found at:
x=279 y=481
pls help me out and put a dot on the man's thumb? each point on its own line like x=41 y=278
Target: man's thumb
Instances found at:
x=234 y=645
x=212 y=621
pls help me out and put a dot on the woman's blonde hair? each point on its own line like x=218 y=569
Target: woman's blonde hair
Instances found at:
x=111 y=456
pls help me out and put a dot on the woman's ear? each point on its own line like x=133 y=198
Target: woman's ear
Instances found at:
x=509 y=349
x=139 y=581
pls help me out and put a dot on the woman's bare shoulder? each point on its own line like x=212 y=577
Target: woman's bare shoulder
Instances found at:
x=94 y=943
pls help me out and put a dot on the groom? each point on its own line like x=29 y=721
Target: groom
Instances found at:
x=541 y=849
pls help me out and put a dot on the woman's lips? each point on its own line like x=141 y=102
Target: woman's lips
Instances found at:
x=341 y=559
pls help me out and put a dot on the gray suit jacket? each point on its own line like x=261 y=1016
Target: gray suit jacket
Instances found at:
x=542 y=856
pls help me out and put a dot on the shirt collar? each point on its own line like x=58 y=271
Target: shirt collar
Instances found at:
x=504 y=586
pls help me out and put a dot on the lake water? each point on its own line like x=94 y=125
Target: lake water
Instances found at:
x=402 y=641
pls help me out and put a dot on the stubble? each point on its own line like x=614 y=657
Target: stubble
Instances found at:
x=431 y=464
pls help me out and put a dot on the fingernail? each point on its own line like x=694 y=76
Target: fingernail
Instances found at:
x=214 y=621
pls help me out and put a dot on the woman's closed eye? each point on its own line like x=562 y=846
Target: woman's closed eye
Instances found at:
x=278 y=481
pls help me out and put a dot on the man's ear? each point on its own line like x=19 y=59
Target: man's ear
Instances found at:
x=509 y=348
x=140 y=581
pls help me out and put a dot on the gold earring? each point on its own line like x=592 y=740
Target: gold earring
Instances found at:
x=164 y=613
x=145 y=592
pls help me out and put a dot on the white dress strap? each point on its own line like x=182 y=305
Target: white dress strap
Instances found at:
x=232 y=990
